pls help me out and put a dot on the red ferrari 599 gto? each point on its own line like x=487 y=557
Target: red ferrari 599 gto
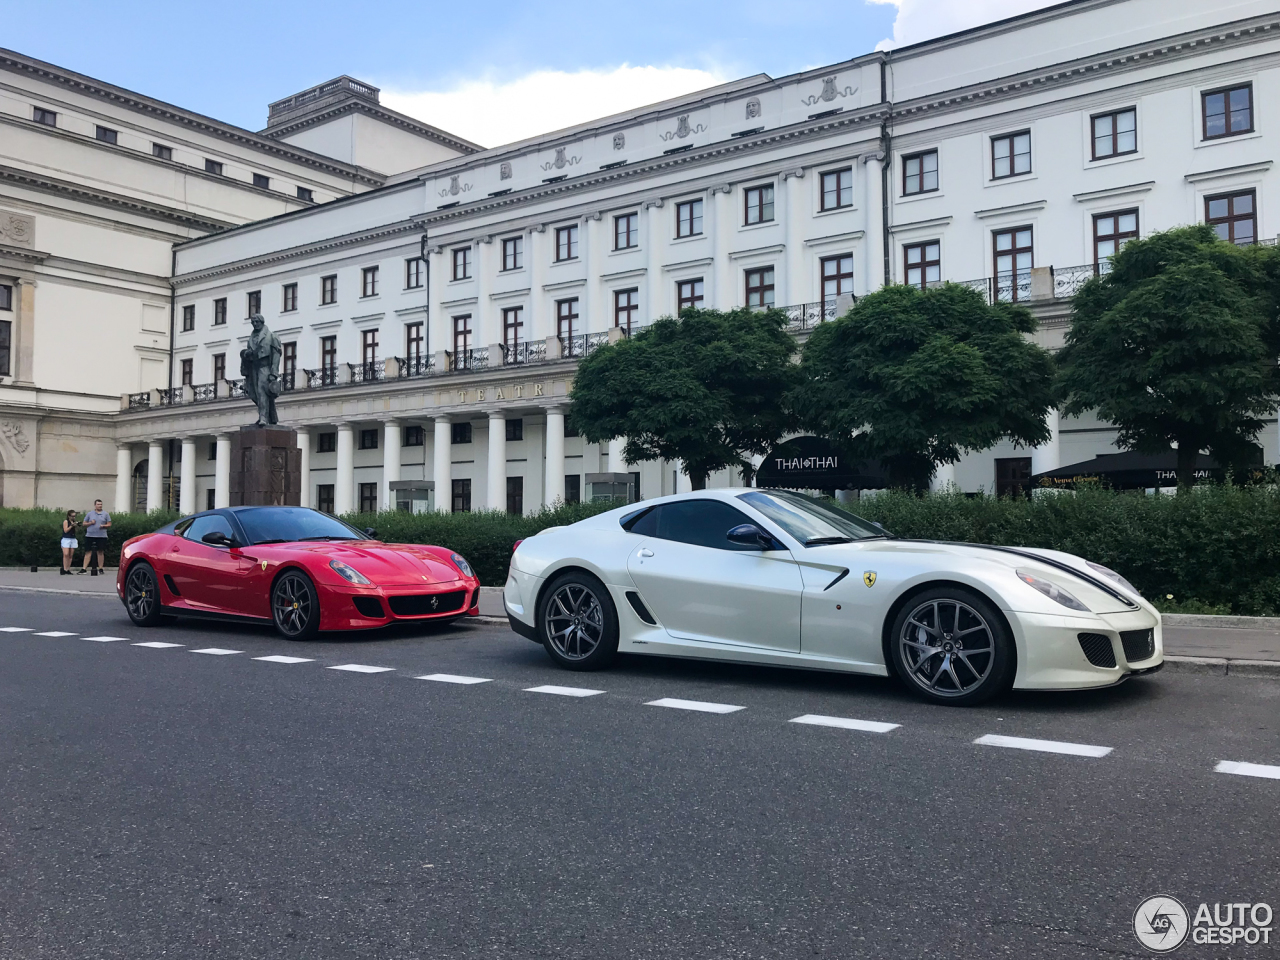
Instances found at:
x=301 y=569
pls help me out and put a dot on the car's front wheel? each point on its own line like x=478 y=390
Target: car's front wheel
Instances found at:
x=951 y=646
x=295 y=607
x=578 y=623
x=142 y=596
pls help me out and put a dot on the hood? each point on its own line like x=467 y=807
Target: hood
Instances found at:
x=389 y=564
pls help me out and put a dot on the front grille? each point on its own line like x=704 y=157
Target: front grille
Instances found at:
x=369 y=607
x=1097 y=649
x=425 y=604
x=1138 y=644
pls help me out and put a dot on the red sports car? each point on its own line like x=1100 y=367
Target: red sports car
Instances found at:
x=301 y=569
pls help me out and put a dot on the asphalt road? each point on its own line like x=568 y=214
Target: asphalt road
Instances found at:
x=159 y=803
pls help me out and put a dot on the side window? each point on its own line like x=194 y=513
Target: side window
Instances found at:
x=703 y=523
x=202 y=525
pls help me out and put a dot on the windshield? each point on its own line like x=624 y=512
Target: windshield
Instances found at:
x=286 y=524
x=810 y=521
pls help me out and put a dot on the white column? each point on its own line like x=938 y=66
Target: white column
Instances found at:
x=496 y=493
x=442 y=465
x=553 y=485
x=873 y=238
x=222 y=472
x=155 y=475
x=390 y=461
x=124 y=473
x=187 y=477
x=793 y=209
x=655 y=240
x=944 y=478
x=304 y=467
x=1048 y=456
x=344 y=482
x=616 y=462
x=724 y=292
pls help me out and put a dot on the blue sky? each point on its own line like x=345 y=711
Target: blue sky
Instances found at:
x=230 y=59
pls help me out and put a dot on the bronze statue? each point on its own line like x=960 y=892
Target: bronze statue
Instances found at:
x=260 y=367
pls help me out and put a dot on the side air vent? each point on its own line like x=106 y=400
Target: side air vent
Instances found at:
x=369 y=607
x=1138 y=644
x=641 y=610
x=173 y=587
x=1097 y=649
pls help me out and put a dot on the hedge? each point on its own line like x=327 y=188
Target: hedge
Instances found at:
x=30 y=537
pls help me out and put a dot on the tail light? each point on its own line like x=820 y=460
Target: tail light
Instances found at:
x=516 y=546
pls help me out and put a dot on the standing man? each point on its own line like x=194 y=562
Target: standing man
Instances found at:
x=96 y=522
x=260 y=367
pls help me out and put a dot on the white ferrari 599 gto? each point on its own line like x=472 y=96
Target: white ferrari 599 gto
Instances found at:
x=773 y=577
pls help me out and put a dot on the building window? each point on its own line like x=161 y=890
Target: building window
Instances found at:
x=567 y=320
x=6 y=297
x=837 y=276
x=209 y=496
x=515 y=496
x=329 y=289
x=515 y=429
x=1228 y=112
x=512 y=326
x=324 y=495
x=262 y=181
x=326 y=442
x=1013 y=263
x=573 y=488
x=626 y=305
x=189 y=317
x=219 y=367
x=368 y=498
x=1233 y=216
x=837 y=189
x=289 y=363
x=106 y=135
x=213 y=450
x=1115 y=133
x=1010 y=155
x=688 y=294
x=161 y=151
x=567 y=242
x=369 y=282
x=254 y=302
x=461 y=496
x=760 y=287
x=1013 y=476
x=460 y=433
x=413 y=437
x=304 y=193
x=368 y=351
x=369 y=439
x=47 y=117
x=220 y=311
x=920 y=173
x=328 y=360
x=413 y=342
x=289 y=298
x=513 y=253
x=626 y=231
x=188 y=372
x=922 y=263
x=689 y=218
x=462 y=263
x=757 y=204
x=413 y=273
x=213 y=166
x=1111 y=231
x=461 y=341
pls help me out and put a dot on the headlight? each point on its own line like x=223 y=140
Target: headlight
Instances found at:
x=348 y=574
x=1112 y=575
x=461 y=565
x=1051 y=590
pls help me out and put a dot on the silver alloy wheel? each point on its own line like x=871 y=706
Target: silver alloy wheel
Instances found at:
x=574 y=621
x=291 y=604
x=947 y=647
x=140 y=593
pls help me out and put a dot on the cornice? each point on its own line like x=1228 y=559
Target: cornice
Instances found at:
x=1244 y=168
x=25 y=254
x=1108 y=192
x=333 y=111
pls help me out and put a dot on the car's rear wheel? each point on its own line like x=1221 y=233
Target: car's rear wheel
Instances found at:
x=578 y=622
x=142 y=596
x=295 y=607
x=951 y=646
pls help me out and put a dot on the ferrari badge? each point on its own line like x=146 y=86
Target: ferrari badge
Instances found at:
x=264 y=564
x=869 y=578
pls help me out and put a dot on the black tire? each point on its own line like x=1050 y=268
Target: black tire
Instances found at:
x=295 y=606
x=142 y=596
x=577 y=622
x=950 y=645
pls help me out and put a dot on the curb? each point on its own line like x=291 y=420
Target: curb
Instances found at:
x=1211 y=620
x=1222 y=667
x=65 y=593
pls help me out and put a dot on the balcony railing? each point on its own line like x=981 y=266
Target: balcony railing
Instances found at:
x=370 y=371
x=416 y=366
x=140 y=401
x=806 y=316
x=324 y=377
x=202 y=392
x=523 y=353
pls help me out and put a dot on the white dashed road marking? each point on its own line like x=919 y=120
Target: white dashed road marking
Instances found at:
x=846 y=723
x=56 y=633
x=1044 y=746
x=107 y=639
x=698 y=705
x=279 y=659
x=1248 y=769
x=564 y=691
x=217 y=651
x=16 y=629
x=361 y=668
x=452 y=678
x=159 y=644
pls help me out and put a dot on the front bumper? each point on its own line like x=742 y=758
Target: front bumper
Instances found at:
x=354 y=607
x=1050 y=655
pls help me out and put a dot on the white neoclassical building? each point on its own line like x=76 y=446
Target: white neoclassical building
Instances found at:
x=432 y=324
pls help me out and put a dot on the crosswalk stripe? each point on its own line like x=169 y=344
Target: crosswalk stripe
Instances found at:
x=1248 y=769
x=56 y=633
x=279 y=659
x=1044 y=746
x=698 y=705
x=453 y=678
x=564 y=691
x=361 y=668
x=158 y=645
x=217 y=651
x=107 y=639
x=16 y=629
x=846 y=723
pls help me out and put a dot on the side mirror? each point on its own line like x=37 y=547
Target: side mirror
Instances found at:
x=749 y=535
x=216 y=538
x=371 y=533
x=881 y=528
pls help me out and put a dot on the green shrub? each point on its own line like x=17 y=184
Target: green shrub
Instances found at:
x=30 y=537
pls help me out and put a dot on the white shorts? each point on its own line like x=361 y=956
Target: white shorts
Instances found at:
x=69 y=543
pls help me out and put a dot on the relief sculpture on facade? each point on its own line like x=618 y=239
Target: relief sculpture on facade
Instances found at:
x=16 y=229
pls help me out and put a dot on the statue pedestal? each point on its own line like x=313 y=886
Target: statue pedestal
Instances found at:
x=266 y=467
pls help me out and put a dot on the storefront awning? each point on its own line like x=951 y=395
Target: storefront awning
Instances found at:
x=1128 y=470
x=814 y=463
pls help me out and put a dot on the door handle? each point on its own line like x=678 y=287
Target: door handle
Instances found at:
x=645 y=552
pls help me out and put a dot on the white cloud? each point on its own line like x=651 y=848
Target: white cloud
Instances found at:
x=925 y=19
x=493 y=113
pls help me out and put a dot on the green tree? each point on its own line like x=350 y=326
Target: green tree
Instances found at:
x=706 y=389
x=914 y=379
x=1177 y=345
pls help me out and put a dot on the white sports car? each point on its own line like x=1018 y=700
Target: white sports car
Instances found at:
x=774 y=577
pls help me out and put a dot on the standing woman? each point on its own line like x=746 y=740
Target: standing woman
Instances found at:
x=69 y=543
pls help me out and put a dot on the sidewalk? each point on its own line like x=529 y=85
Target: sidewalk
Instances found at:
x=1230 y=638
